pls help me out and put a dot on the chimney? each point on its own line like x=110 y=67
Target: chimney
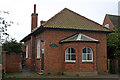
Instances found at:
x=42 y=22
x=34 y=8
x=34 y=19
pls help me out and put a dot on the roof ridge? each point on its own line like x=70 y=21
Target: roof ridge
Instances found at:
x=113 y=15
x=74 y=13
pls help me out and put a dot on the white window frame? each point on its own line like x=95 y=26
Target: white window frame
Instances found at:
x=70 y=55
x=38 y=49
x=107 y=26
x=26 y=51
x=87 y=54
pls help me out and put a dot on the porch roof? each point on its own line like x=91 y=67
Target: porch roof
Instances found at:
x=78 y=37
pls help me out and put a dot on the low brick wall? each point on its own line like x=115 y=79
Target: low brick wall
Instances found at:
x=12 y=62
x=114 y=66
x=119 y=63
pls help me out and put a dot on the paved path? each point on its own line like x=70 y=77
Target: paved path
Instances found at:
x=25 y=72
x=61 y=79
x=0 y=71
x=28 y=73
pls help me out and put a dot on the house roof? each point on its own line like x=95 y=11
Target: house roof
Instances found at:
x=68 y=19
x=115 y=19
x=78 y=37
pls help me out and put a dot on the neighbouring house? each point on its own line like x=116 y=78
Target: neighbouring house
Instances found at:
x=111 y=21
x=67 y=42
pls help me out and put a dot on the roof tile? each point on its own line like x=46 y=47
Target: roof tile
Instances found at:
x=115 y=19
x=68 y=19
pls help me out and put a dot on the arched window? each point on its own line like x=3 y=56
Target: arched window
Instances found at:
x=70 y=55
x=87 y=54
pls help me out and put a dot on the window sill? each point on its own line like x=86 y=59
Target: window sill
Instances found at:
x=70 y=61
x=26 y=58
x=37 y=58
x=87 y=61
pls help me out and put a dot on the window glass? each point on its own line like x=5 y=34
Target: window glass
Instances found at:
x=67 y=57
x=38 y=48
x=26 y=51
x=73 y=57
x=88 y=50
x=70 y=54
x=84 y=50
x=72 y=50
x=83 y=56
x=68 y=50
x=87 y=54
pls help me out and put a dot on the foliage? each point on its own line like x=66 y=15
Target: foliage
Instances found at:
x=113 y=43
x=12 y=47
x=4 y=24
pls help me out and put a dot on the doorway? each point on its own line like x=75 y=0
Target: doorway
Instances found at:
x=42 y=60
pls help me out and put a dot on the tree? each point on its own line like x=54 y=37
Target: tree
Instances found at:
x=4 y=23
x=113 y=44
x=12 y=47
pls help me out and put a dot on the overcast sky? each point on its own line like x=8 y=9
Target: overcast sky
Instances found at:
x=21 y=10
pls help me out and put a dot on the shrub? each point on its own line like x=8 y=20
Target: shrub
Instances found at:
x=12 y=47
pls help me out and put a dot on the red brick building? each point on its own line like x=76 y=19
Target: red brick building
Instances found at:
x=111 y=21
x=67 y=42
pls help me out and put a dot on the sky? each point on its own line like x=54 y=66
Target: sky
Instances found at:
x=20 y=12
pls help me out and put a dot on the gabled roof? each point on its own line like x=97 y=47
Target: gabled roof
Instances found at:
x=78 y=37
x=115 y=19
x=67 y=19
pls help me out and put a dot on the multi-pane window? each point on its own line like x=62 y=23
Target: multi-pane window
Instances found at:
x=87 y=54
x=70 y=55
x=38 y=48
x=26 y=51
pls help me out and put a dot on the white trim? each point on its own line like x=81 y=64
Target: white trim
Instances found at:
x=70 y=60
x=79 y=38
x=38 y=49
x=26 y=51
x=90 y=38
x=87 y=54
x=87 y=60
x=70 y=55
x=107 y=25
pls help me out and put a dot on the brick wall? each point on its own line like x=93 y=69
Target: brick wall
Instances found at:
x=107 y=21
x=40 y=36
x=28 y=60
x=80 y=66
x=12 y=62
x=119 y=64
x=54 y=57
x=4 y=60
